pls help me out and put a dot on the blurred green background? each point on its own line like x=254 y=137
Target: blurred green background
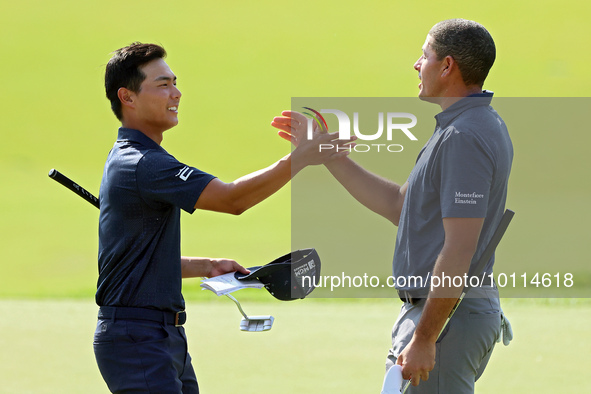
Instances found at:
x=239 y=64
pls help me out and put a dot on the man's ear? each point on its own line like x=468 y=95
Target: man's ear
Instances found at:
x=448 y=65
x=126 y=97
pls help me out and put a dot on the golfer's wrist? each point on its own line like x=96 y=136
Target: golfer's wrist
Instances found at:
x=425 y=336
x=335 y=164
x=295 y=162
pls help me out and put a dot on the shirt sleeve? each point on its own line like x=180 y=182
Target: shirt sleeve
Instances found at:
x=163 y=180
x=463 y=174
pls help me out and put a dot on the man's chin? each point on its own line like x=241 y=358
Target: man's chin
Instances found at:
x=173 y=123
x=427 y=98
x=169 y=125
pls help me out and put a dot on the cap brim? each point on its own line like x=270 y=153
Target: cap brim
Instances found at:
x=267 y=269
x=283 y=277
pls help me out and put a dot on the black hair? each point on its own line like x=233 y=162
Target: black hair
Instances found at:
x=123 y=70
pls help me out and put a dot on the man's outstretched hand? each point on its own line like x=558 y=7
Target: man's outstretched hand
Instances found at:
x=293 y=126
x=320 y=147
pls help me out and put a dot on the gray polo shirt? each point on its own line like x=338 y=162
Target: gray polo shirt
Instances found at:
x=462 y=171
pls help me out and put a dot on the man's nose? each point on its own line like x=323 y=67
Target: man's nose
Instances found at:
x=176 y=93
x=417 y=65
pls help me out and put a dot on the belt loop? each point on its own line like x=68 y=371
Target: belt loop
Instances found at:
x=409 y=298
x=113 y=316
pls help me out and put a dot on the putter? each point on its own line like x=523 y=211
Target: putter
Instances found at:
x=486 y=255
x=253 y=323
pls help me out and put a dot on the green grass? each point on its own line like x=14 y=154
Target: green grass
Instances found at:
x=314 y=346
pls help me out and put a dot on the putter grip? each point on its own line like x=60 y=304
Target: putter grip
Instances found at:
x=73 y=186
x=493 y=243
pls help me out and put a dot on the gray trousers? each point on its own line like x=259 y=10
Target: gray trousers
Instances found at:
x=464 y=348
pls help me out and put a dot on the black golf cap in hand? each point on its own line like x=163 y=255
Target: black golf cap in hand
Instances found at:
x=289 y=277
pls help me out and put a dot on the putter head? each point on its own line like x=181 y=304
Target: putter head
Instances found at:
x=257 y=323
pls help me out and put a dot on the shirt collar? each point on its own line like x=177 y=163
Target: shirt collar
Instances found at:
x=444 y=118
x=125 y=134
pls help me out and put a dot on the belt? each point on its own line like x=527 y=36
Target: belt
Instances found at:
x=415 y=296
x=412 y=297
x=127 y=313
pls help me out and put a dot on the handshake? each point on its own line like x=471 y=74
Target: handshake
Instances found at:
x=314 y=144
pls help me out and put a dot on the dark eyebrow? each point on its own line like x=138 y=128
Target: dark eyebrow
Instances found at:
x=164 y=78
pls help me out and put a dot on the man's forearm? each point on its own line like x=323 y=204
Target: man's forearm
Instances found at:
x=378 y=194
x=251 y=189
x=195 y=267
x=435 y=313
x=247 y=191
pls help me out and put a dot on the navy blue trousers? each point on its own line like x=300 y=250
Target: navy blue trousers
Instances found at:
x=136 y=356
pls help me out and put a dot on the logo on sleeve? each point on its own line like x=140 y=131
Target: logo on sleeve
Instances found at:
x=468 y=198
x=184 y=173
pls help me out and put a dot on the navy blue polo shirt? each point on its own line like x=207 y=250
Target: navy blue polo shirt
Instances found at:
x=142 y=192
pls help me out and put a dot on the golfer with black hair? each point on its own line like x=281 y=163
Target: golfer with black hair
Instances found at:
x=139 y=343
